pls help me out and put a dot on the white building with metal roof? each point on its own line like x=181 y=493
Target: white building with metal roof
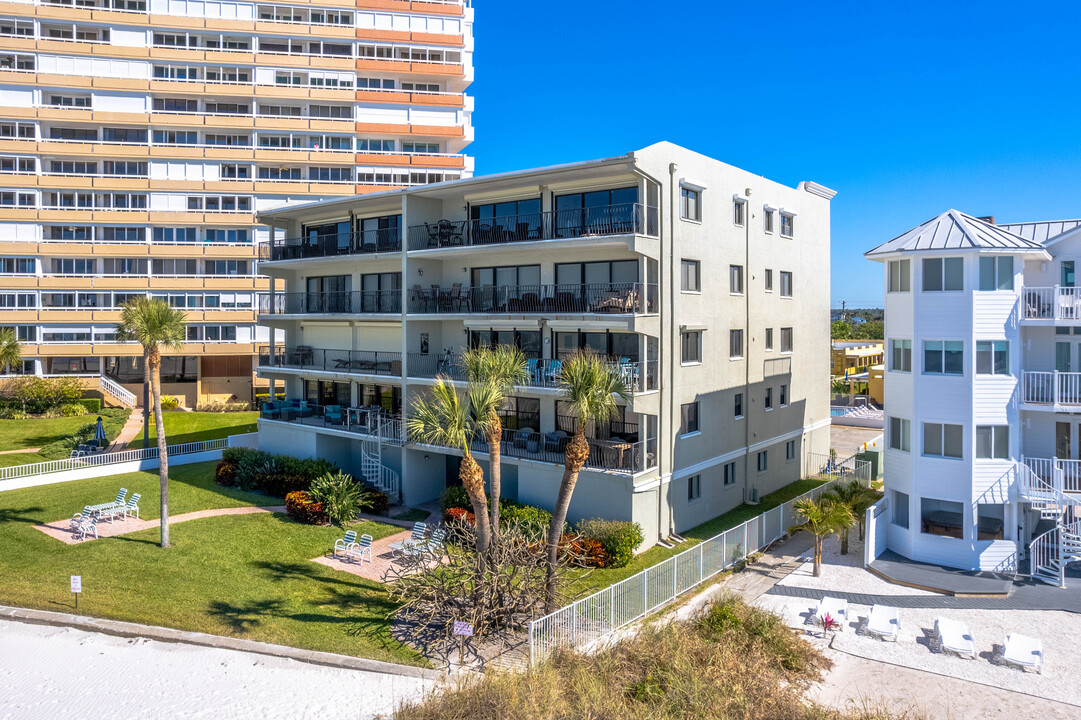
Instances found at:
x=983 y=394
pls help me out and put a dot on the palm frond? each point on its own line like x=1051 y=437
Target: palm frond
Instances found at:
x=10 y=353
x=152 y=322
x=442 y=417
x=503 y=366
x=590 y=388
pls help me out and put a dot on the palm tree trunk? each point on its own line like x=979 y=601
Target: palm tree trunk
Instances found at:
x=844 y=541
x=472 y=478
x=818 y=556
x=494 y=432
x=153 y=364
x=577 y=454
x=861 y=528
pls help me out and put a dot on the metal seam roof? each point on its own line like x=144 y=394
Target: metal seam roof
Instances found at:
x=954 y=230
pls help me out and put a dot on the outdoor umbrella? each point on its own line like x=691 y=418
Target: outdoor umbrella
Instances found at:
x=99 y=434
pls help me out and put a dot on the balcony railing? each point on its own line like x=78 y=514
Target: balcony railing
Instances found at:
x=624 y=219
x=370 y=421
x=1057 y=473
x=613 y=455
x=541 y=373
x=363 y=242
x=1051 y=388
x=361 y=362
x=603 y=298
x=1051 y=303
x=357 y=302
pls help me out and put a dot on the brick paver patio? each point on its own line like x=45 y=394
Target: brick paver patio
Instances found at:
x=382 y=559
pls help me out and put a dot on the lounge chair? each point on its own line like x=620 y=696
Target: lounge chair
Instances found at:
x=836 y=608
x=884 y=622
x=88 y=527
x=1023 y=652
x=132 y=506
x=120 y=497
x=953 y=636
x=420 y=532
x=436 y=543
x=79 y=518
x=361 y=548
x=345 y=544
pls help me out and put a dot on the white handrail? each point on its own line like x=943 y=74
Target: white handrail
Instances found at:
x=118 y=391
x=54 y=466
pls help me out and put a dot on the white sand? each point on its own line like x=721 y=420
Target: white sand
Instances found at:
x=48 y=672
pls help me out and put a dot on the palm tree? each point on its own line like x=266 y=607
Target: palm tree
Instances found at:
x=822 y=517
x=857 y=498
x=10 y=354
x=590 y=388
x=154 y=324
x=501 y=368
x=444 y=418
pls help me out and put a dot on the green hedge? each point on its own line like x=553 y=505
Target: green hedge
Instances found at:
x=92 y=405
x=529 y=516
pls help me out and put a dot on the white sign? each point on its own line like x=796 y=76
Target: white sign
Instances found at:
x=463 y=628
x=76 y=583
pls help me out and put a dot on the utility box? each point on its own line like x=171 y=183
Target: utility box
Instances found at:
x=873 y=456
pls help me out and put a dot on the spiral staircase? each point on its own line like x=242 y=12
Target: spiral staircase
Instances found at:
x=1050 y=551
x=371 y=458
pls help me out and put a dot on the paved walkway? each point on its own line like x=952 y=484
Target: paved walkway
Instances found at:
x=19 y=450
x=1029 y=596
x=61 y=529
x=131 y=430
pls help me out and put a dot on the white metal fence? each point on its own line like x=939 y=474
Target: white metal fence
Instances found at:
x=114 y=458
x=592 y=618
x=829 y=468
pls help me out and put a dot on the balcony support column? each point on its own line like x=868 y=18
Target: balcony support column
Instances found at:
x=270 y=340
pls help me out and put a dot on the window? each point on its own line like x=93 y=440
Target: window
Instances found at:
x=940 y=440
x=943 y=357
x=174 y=266
x=738 y=410
x=786 y=284
x=769 y=280
x=942 y=517
x=943 y=274
x=124 y=266
x=735 y=279
x=688 y=418
x=788 y=225
x=899 y=505
x=990 y=521
x=900 y=276
x=790 y=450
x=420 y=148
x=176 y=105
x=763 y=461
x=901 y=355
x=690 y=276
x=768 y=402
x=786 y=340
x=690 y=204
x=996 y=273
x=18 y=266
x=694 y=488
x=783 y=395
x=900 y=434
x=735 y=344
x=73 y=266
x=767 y=220
x=769 y=339
x=738 y=211
x=729 y=474
x=992 y=357
x=226 y=267
x=692 y=347
x=993 y=442
x=79 y=101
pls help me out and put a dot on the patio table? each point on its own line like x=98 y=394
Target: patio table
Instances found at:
x=409 y=547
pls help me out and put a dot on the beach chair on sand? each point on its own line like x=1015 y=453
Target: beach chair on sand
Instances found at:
x=953 y=637
x=1023 y=652
x=345 y=544
x=836 y=608
x=884 y=622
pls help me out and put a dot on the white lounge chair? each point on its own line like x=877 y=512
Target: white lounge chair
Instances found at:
x=361 y=549
x=884 y=622
x=836 y=608
x=132 y=506
x=346 y=544
x=88 y=527
x=436 y=543
x=420 y=532
x=80 y=518
x=1024 y=652
x=953 y=636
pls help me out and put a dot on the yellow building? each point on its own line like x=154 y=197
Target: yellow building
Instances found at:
x=139 y=138
x=855 y=356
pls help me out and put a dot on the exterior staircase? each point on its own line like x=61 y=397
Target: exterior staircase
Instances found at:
x=1052 y=550
x=371 y=458
x=117 y=392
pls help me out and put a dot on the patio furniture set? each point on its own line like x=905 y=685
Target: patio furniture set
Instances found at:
x=86 y=522
x=86 y=451
x=457 y=298
x=352 y=549
x=951 y=636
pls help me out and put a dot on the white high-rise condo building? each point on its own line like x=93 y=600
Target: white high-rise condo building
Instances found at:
x=705 y=285
x=139 y=138
x=982 y=391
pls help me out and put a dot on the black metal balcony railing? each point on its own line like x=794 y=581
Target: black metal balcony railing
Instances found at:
x=332 y=303
x=317 y=246
x=629 y=298
x=361 y=362
x=541 y=373
x=623 y=219
x=614 y=454
x=374 y=422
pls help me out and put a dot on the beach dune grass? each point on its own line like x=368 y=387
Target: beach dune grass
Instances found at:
x=246 y=576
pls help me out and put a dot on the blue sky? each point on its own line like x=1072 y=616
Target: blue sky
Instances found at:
x=905 y=110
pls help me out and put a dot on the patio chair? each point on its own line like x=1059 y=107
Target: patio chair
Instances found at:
x=345 y=544
x=1023 y=652
x=531 y=370
x=333 y=414
x=836 y=608
x=521 y=438
x=555 y=371
x=420 y=532
x=132 y=506
x=361 y=549
x=88 y=527
x=884 y=622
x=952 y=636
x=436 y=543
x=120 y=497
x=79 y=518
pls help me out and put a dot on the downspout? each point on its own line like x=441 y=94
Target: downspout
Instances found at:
x=747 y=348
x=673 y=168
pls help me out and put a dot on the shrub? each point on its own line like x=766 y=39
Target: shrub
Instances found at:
x=113 y=420
x=584 y=551
x=225 y=473
x=375 y=501
x=72 y=409
x=455 y=496
x=276 y=475
x=459 y=515
x=340 y=496
x=37 y=394
x=222 y=406
x=531 y=519
x=301 y=507
x=170 y=402
x=92 y=405
x=261 y=398
x=619 y=538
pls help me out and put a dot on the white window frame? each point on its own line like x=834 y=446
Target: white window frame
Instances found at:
x=742 y=344
x=694 y=488
x=688 y=191
x=901 y=281
x=739 y=211
x=735 y=280
x=767 y=281
x=768 y=219
x=683 y=347
x=697 y=265
x=791 y=218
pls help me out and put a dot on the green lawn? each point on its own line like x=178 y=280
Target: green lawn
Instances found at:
x=244 y=576
x=20 y=459
x=184 y=427
x=594 y=580
x=38 y=432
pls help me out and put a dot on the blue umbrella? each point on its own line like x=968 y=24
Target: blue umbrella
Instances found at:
x=99 y=433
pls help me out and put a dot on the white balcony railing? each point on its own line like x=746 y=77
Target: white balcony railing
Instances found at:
x=1051 y=388
x=1064 y=475
x=1051 y=303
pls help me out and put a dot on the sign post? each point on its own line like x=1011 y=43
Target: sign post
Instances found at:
x=463 y=630
x=76 y=588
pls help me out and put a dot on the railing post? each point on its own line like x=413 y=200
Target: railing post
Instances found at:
x=612 y=606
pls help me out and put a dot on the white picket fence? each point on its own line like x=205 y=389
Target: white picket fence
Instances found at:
x=593 y=618
x=90 y=466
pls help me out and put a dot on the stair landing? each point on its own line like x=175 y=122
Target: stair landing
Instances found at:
x=938 y=578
